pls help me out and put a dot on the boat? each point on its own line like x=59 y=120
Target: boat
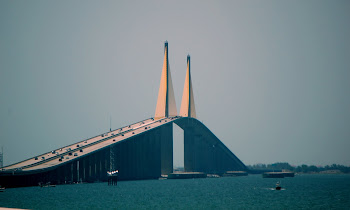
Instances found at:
x=278 y=186
x=278 y=174
x=273 y=175
x=213 y=176
x=48 y=184
x=187 y=175
x=235 y=173
x=2 y=189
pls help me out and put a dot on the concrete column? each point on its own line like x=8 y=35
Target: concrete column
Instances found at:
x=166 y=139
x=84 y=170
x=189 y=150
x=71 y=172
x=95 y=174
x=78 y=171
x=149 y=162
x=200 y=154
x=133 y=153
x=127 y=160
x=155 y=147
x=139 y=154
x=124 y=161
x=118 y=157
x=74 y=171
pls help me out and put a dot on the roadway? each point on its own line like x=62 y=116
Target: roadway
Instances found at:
x=71 y=152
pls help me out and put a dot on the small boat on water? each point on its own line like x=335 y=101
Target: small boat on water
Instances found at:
x=2 y=189
x=278 y=186
x=48 y=184
x=278 y=174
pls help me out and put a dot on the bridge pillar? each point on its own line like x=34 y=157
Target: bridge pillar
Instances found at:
x=72 y=172
x=189 y=151
x=195 y=152
x=166 y=141
x=84 y=169
x=156 y=156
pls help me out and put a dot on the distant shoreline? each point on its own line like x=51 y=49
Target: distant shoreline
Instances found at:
x=302 y=169
x=325 y=172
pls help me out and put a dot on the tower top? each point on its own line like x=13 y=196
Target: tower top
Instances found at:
x=187 y=104
x=166 y=106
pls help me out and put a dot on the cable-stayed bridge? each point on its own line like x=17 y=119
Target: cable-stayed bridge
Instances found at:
x=143 y=150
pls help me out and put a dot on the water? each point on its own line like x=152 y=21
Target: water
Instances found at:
x=251 y=192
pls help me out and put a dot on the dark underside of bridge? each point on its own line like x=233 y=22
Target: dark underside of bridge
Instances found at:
x=144 y=156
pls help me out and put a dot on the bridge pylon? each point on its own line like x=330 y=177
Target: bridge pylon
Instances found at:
x=166 y=106
x=187 y=104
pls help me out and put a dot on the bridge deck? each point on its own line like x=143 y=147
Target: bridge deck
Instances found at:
x=51 y=159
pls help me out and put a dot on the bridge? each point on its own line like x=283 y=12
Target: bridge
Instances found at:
x=142 y=150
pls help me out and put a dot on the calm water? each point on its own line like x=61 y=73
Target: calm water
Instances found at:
x=251 y=192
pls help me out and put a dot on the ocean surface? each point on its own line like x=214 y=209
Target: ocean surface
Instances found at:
x=250 y=192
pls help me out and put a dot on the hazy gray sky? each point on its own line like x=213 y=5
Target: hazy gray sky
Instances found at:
x=270 y=78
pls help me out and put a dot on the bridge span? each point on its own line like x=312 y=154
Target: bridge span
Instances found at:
x=143 y=150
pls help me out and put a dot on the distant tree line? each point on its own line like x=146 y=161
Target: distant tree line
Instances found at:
x=300 y=169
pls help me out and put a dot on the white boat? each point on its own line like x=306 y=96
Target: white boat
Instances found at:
x=278 y=186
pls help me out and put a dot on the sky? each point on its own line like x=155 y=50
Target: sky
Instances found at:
x=270 y=78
